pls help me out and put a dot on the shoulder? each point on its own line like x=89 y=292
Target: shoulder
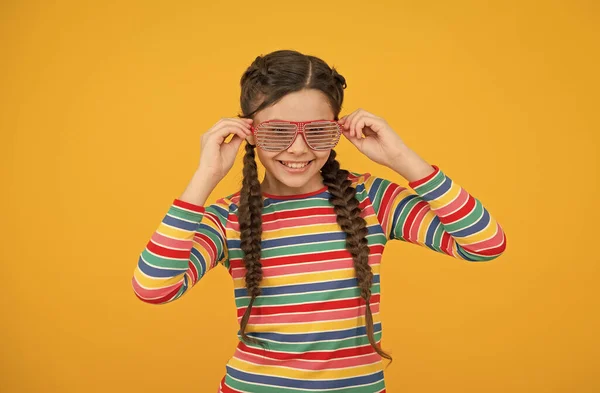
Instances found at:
x=372 y=186
x=231 y=199
x=357 y=177
x=223 y=206
x=363 y=180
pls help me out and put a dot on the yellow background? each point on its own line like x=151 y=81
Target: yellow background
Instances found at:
x=102 y=108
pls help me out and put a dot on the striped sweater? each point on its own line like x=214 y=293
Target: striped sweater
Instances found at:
x=310 y=314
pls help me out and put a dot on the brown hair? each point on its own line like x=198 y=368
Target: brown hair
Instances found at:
x=268 y=79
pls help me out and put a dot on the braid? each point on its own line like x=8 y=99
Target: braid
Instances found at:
x=345 y=204
x=250 y=220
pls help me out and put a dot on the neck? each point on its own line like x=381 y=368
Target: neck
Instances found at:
x=271 y=185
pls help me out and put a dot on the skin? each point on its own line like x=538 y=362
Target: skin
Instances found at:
x=304 y=105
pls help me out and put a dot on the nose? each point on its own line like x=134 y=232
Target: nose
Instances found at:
x=299 y=145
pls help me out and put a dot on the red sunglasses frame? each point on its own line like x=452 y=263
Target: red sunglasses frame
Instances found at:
x=300 y=130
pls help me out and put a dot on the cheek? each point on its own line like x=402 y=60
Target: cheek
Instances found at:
x=265 y=157
x=321 y=158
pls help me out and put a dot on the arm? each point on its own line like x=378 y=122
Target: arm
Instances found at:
x=441 y=215
x=189 y=242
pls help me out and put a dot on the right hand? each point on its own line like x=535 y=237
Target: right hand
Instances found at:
x=216 y=156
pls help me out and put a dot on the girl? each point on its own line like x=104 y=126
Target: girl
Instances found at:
x=304 y=246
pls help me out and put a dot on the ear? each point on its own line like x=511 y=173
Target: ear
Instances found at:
x=250 y=140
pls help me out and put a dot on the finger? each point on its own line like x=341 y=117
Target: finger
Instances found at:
x=244 y=122
x=366 y=124
x=232 y=147
x=245 y=132
x=246 y=126
x=353 y=124
x=239 y=131
x=236 y=141
x=228 y=128
x=352 y=138
x=227 y=121
x=348 y=121
x=355 y=141
x=360 y=124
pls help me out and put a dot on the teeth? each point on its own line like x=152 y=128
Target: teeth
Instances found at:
x=294 y=164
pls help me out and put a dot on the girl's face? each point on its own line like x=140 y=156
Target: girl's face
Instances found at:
x=304 y=105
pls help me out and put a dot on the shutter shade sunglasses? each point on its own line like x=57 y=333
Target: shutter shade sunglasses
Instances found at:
x=278 y=135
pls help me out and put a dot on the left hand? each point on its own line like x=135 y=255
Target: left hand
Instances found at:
x=380 y=143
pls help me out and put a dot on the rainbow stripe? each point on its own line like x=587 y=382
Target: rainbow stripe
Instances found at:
x=310 y=313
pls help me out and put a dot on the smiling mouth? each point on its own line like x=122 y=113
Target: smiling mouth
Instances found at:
x=295 y=165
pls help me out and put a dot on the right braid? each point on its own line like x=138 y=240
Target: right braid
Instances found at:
x=250 y=220
x=347 y=210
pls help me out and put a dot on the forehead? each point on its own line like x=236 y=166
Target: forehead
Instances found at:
x=308 y=104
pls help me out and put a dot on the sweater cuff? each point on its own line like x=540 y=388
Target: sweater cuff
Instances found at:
x=424 y=180
x=189 y=206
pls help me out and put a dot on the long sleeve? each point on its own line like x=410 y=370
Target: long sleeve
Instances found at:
x=441 y=215
x=189 y=242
